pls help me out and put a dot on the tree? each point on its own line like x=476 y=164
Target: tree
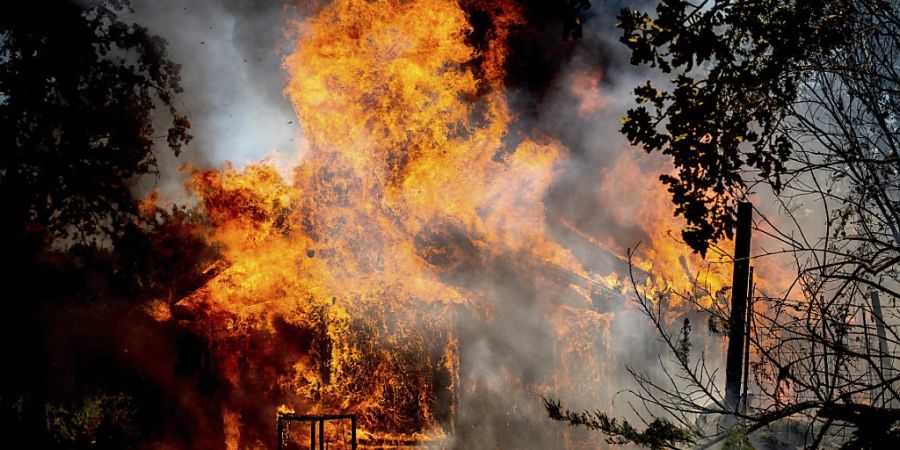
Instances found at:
x=800 y=99
x=737 y=70
x=817 y=373
x=78 y=92
x=82 y=94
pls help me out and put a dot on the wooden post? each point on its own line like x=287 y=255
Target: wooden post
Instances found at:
x=280 y=431
x=740 y=285
x=868 y=348
x=312 y=436
x=886 y=365
x=879 y=330
x=747 y=344
x=353 y=432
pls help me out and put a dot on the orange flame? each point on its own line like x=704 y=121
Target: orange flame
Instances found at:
x=407 y=181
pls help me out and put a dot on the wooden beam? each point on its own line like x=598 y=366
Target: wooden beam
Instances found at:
x=740 y=286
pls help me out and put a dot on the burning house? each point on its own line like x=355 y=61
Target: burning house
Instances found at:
x=449 y=224
x=404 y=270
x=442 y=251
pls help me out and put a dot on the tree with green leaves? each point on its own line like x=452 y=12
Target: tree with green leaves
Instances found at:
x=796 y=103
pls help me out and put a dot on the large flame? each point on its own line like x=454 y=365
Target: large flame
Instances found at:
x=342 y=280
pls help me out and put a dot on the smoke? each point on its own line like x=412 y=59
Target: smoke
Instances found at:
x=573 y=91
x=537 y=335
x=230 y=52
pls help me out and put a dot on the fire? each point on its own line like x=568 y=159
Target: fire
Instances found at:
x=586 y=87
x=675 y=267
x=341 y=285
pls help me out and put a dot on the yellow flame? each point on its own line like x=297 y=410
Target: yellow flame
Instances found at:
x=407 y=179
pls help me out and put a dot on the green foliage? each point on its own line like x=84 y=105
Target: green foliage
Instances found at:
x=659 y=434
x=737 y=439
x=96 y=417
x=735 y=68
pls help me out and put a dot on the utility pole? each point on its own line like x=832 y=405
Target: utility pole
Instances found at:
x=744 y=395
x=737 y=323
x=882 y=337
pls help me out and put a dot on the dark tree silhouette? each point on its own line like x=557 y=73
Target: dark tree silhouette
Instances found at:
x=800 y=99
x=736 y=69
x=78 y=93
x=83 y=95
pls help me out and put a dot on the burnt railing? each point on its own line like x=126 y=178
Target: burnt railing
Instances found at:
x=284 y=421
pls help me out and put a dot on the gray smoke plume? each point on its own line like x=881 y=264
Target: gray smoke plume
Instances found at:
x=230 y=52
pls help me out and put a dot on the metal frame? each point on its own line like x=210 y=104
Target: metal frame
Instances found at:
x=285 y=419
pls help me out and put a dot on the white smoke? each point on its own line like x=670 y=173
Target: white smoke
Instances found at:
x=230 y=56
